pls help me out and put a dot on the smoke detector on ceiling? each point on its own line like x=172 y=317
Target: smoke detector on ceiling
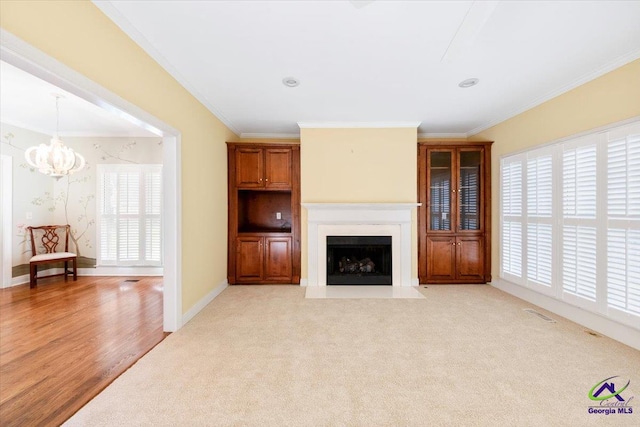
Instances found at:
x=468 y=83
x=290 y=81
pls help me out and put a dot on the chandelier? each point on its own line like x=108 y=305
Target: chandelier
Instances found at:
x=55 y=159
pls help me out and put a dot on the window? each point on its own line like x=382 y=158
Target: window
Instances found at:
x=570 y=221
x=129 y=215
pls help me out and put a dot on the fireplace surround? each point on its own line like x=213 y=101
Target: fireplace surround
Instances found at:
x=359 y=219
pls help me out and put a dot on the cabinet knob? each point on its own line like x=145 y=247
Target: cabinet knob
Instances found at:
x=454 y=243
x=458 y=243
x=260 y=179
x=267 y=179
x=453 y=191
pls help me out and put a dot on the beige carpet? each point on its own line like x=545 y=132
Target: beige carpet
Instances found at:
x=464 y=356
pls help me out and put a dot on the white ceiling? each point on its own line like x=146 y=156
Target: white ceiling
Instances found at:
x=379 y=61
x=29 y=103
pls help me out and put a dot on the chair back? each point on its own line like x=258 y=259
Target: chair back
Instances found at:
x=51 y=236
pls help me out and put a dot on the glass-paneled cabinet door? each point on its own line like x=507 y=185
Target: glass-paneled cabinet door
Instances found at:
x=440 y=190
x=470 y=190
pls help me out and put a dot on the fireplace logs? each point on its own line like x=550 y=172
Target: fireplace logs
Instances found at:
x=353 y=266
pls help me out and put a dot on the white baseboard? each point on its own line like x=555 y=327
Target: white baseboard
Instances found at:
x=19 y=280
x=121 y=271
x=304 y=282
x=190 y=314
x=98 y=271
x=608 y=327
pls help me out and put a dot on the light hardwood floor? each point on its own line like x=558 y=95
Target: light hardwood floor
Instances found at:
x=63 y=342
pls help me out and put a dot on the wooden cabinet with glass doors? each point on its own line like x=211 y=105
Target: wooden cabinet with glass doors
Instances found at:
x=454 y=221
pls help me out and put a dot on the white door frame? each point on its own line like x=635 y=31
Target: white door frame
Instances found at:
x=20 y=54
x=6 y=219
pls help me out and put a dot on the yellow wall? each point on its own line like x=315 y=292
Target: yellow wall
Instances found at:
x=358 y=166
x=607 y=99
x=79 y=35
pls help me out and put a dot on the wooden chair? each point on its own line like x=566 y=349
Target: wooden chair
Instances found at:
x=50 y=239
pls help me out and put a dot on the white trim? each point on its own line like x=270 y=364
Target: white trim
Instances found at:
x=349 y=125
x=121 y=271
x=197 y=307
x=21 y=280
x=304 y=282
x=6 y=220
x=20 y=54
x=443 y=135
x=130 y=30
x=270 y=135
x=172 y=231
x=585 y=78
x=606 y=326
x=97 y=272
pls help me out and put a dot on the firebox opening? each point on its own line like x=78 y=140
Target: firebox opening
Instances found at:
x=359 y=260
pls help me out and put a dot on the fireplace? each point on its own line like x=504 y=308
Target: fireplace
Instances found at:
x=360 y=219
x=359 y=260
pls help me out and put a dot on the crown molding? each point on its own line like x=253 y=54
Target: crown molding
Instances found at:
x=349 y=125
x=249 y=135
x=443 y=135
x=585 y=78
x=129 y=29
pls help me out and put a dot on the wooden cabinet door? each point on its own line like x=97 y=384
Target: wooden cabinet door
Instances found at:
x=441 y=255
x=277 y=262
x=277 y=168
x=249 y=168
x=470 y=258
x=249 y=259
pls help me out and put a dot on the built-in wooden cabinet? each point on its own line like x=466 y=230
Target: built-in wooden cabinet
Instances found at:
x=454 y=221
x=263 y=258
x=264 y=213
x=258 y=167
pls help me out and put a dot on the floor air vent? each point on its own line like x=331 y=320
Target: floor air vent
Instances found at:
x=540 y=315
x=132 y=280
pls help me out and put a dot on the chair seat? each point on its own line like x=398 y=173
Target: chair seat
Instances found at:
x=52 y=256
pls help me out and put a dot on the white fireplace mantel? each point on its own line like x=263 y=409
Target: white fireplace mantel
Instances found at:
x=359 y=219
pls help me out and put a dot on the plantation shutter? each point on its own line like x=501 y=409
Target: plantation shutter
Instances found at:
x=153 y=209
x=511 y=240
x=579 y=243
x=107 y=217
x=539 y=223
x=623 y=221
x=128 y=219
x=130 y=228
